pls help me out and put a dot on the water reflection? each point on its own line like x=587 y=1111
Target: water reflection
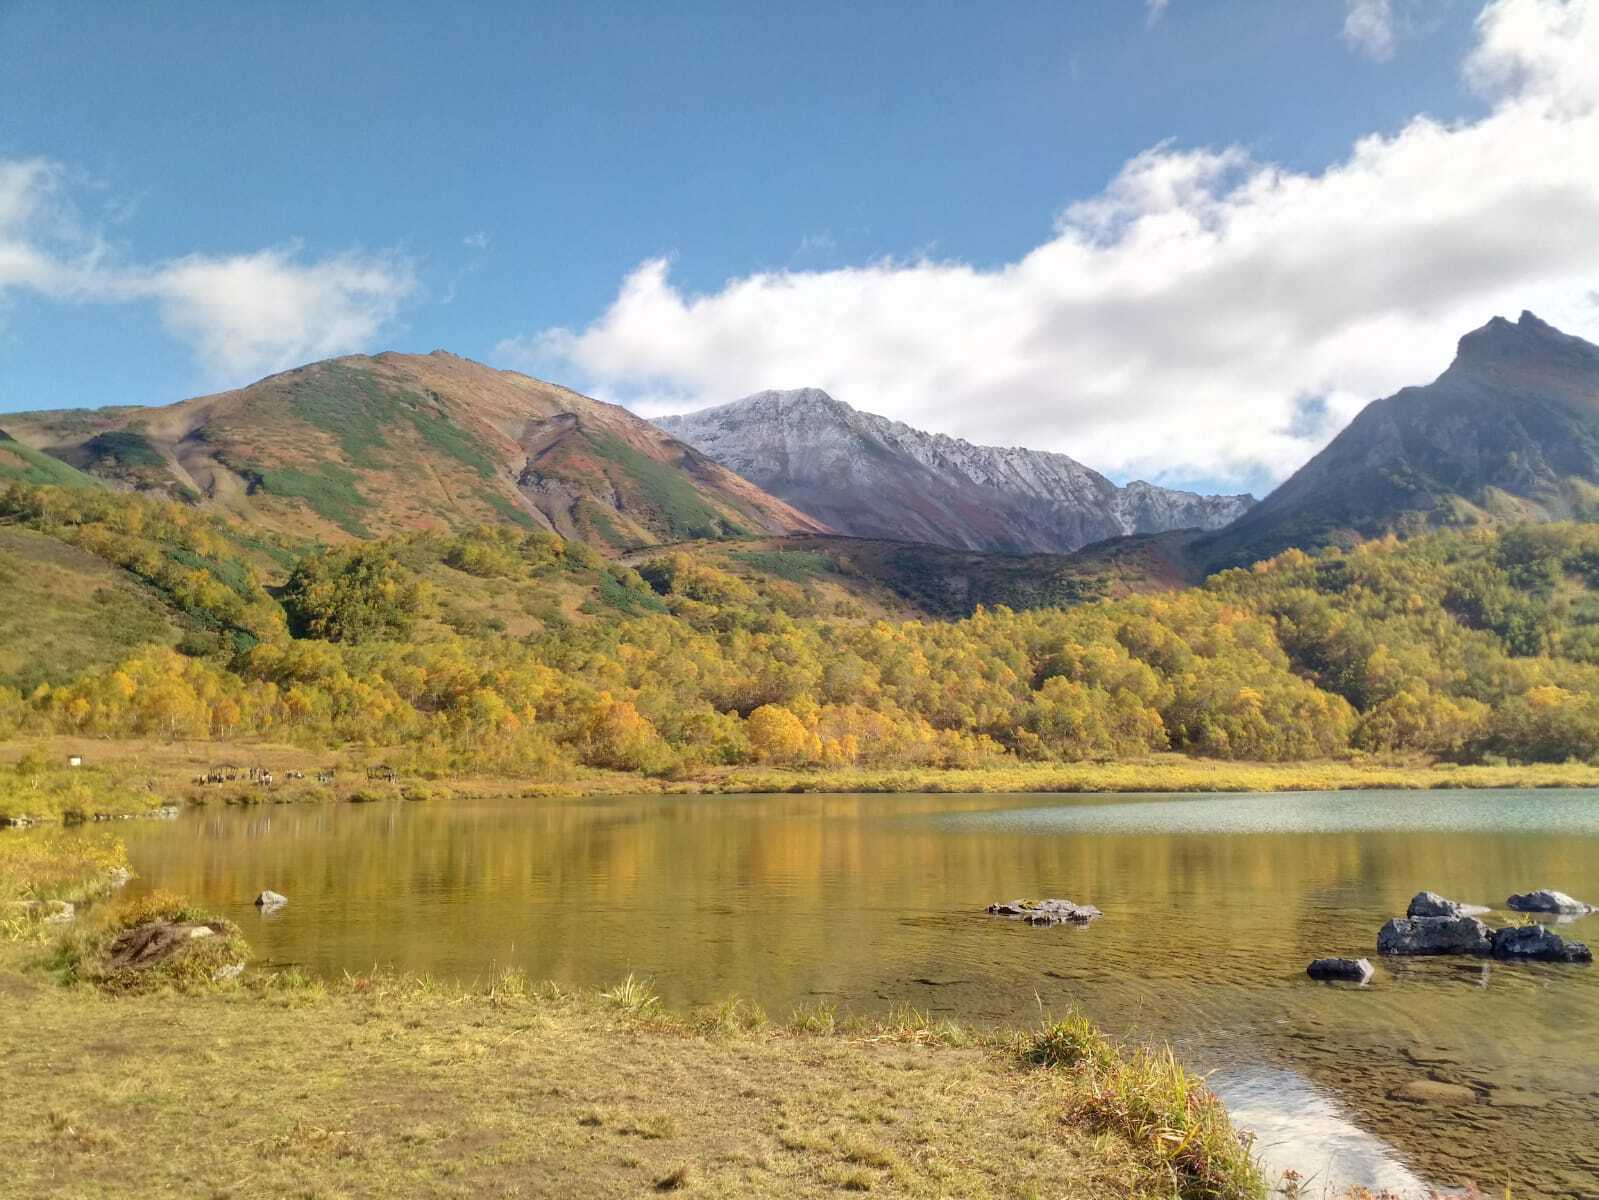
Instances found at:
x=1213 y=907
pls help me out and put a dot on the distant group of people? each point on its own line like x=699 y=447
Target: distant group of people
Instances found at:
x=259 y=776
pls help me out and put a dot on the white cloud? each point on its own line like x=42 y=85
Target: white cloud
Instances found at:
x=1154 y=11
x=476 y=241
x=1369 y=28
x=244 y=315
x=1188 y=321
x=250 y=314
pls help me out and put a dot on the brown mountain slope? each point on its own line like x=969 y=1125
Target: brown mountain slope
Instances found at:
x=369 y=445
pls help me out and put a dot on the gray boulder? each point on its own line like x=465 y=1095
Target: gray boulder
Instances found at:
x=1431 y=904
x=1352 y=970
x=1434 y=935
x=269 y=900
x=1046 y=912
x=1538 y=943
x=1545 y=900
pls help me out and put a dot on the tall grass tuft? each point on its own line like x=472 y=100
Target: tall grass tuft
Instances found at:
x=633 y=996
x=1151 y=1100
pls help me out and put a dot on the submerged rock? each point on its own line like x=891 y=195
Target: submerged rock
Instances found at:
x=1353 y=970
x=1539 y=943
x=1546 y=900
x=270 y=899
x=1433 y=1091
x=1431 y=904
x=1434 y=935
x=1047 y=912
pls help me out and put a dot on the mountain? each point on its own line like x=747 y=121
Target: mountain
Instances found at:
x=1509 y=432
x=870 y=477
x=369 y=445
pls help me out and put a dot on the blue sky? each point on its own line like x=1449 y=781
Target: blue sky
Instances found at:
x=505 y=169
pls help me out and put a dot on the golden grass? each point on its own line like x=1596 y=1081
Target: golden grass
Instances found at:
x=382 y=1085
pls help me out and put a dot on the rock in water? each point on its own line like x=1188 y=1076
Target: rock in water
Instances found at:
x=1434 y=935
x=1431 y=904
x=1354 y=970
x=1546 y=900
x=270 y=899
x=1433 y=1091
x=1538 y=943
x=1047 y=912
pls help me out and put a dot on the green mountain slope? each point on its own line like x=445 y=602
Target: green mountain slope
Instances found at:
x=359 y=447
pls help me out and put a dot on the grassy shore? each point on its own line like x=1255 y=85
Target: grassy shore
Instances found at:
x=272 y=1084
x=130 y=777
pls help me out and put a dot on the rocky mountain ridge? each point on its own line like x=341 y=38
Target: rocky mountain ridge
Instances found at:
x=870 y=476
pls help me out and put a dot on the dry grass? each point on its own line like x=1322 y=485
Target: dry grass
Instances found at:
x=381 y=1086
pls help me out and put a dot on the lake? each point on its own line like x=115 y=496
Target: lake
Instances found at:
x=1213 y=906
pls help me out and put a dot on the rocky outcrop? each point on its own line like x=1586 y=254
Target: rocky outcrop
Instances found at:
x=1350 y=970
x=1546 y=900
x=1046 y=912
x=156 y=942
x=1435 y=935
x=867 y=476
x=269 y=900
x=1431 y=904
x=1538 y=943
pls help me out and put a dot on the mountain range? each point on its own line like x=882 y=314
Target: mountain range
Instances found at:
x=363 y=446
x=867 y=476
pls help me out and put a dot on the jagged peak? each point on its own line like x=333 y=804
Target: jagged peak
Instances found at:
x=1529 y=337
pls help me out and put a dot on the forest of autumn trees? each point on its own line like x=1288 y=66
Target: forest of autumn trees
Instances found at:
x=1468 y=646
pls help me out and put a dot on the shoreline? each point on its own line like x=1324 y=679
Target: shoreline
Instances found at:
x=136 y=778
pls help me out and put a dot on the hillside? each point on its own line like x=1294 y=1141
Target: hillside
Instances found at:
x=519 y=651
x=870 y=477
x=1510 y=432
x=359 y=446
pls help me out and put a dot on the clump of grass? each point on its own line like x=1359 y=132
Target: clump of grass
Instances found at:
x=633 y=996
x=731 y=1016
x=1072 y=1042
x=1151 y=1100
x=819 y=1018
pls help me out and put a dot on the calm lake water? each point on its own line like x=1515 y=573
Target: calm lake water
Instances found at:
x=1213 y=904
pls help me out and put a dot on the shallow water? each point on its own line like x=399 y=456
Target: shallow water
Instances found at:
x=1213 y=905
